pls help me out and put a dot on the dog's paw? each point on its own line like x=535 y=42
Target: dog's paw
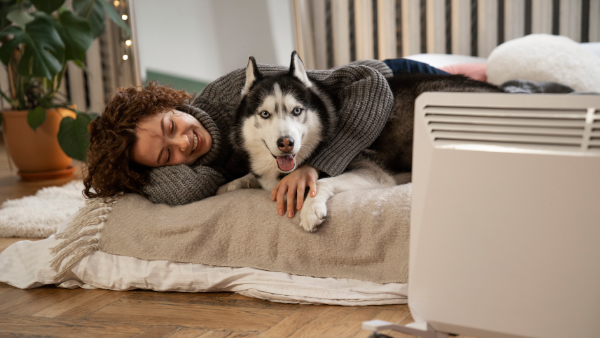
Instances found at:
x=313 y=214
x=247 y=182
x=231 y=186
x=223 y=189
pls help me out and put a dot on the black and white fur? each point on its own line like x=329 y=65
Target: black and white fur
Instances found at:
x=290 y=105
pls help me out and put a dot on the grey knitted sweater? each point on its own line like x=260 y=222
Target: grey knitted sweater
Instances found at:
x=365 y=103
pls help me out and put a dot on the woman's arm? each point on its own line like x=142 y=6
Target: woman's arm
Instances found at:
x=182 y=184
x=365 y=104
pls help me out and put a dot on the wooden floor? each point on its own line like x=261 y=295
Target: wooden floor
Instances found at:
x=53 y=312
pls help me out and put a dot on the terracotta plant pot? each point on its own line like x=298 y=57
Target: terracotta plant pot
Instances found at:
x=37 y=154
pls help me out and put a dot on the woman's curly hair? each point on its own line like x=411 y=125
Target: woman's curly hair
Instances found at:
x=111 y=169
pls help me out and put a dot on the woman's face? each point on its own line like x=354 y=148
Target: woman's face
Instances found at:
x=170 y=138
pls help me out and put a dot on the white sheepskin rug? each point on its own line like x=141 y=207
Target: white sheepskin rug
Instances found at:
x=40 y=215
x=543 y=57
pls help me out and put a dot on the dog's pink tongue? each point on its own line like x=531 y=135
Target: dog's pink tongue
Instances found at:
x=285 y=163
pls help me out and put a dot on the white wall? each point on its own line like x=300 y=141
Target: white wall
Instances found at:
x=281 y=20
x=178 y=37
x=204 y=39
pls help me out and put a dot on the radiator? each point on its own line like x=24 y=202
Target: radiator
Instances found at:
x=505 y=224
x=335 y=32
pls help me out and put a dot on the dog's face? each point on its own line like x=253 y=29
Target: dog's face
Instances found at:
x=280 y=125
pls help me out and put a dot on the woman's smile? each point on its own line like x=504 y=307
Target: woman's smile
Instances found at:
x=170 y=138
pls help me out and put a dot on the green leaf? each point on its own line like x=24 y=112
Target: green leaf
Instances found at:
x=5 y=7
x=36 y=117
x=47 y=6
x=95 y=12
x=20 y=17
x=82 y=66
x=7 y=47
x=76 y=33
x=73 y=136
x=115 y=17
x=92 y=11
x=44 y=52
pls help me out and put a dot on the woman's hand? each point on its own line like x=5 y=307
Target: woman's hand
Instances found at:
x=295 y=185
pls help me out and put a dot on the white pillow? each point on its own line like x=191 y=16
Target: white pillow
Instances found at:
x=593 y=47
x=543 y=57
x=26 y=264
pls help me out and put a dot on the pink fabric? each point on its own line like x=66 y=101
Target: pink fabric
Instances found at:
x=475 y=71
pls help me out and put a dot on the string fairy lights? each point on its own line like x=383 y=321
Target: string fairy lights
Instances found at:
x=122 y=8
x=124 y=52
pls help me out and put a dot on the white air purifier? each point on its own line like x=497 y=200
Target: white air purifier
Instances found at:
x=505 y=219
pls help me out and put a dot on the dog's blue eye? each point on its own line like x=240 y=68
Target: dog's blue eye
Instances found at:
x=297 y=111
x=264 y=114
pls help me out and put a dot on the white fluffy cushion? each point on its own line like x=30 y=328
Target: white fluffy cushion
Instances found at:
x=543 y=57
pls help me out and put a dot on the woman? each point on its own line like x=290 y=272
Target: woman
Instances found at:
x=156 y=143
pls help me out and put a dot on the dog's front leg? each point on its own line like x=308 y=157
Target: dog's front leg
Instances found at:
x=245 y=182
x=314 y=210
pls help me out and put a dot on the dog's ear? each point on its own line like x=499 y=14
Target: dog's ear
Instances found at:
x=252 y=74
x=297 y=70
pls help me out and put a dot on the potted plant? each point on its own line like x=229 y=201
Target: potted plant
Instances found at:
x=39 y=38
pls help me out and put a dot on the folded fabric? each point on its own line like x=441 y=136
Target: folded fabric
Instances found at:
x=365 y=236
x=26 y=264
x=443 y=60
x=476 y=71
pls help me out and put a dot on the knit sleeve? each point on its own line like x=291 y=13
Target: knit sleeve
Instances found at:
x=365 y=104
x=182 y=184
x=375 y=64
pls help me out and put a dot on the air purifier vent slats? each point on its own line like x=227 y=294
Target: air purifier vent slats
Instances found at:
x=509 y=138
x=454 y=143
x=508 y=121
x=516 y=113
x=519 y=128
x=515 y=130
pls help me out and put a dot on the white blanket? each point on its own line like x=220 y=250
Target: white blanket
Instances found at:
x=26 y=264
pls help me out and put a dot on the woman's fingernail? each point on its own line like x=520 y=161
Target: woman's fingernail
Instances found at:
x=290 y=214
x=280 y=212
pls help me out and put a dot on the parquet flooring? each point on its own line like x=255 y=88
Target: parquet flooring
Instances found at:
x=54 y=312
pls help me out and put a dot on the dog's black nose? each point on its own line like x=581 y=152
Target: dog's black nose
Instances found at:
x=285 y=143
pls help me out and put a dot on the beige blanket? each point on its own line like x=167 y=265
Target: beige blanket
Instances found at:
x=365 y=236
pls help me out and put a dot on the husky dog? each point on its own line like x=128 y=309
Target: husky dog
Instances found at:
x=283 y=118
